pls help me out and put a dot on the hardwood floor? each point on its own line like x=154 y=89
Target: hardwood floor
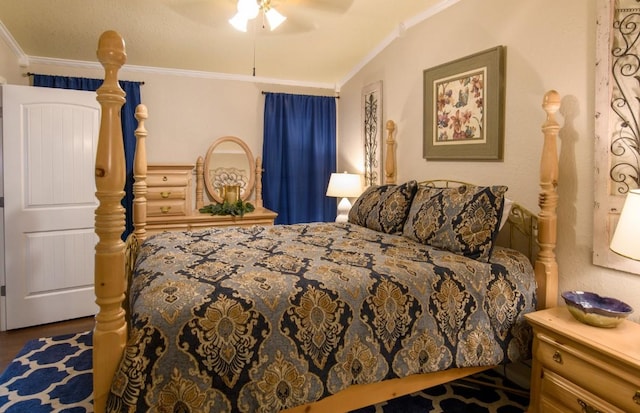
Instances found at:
x=12 y=341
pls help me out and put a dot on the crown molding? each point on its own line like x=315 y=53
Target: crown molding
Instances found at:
x=23 y=59
x=180 y=72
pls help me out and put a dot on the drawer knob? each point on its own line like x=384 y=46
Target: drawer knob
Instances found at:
x=587 y=408
x=557 y=357
x=165 y=179
x=165 y=194
x=636 y=397
x=165 y=209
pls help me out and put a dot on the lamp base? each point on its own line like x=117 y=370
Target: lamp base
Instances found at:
x=343 y=210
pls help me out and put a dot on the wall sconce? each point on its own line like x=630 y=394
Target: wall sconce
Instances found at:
x=344 y=185
x=626 y=238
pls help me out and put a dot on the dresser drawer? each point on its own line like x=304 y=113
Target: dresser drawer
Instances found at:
x=169 y=191
x=560 y=395
x=160 y=193
x=167 y=179
x=589 y=372
x=166 y=207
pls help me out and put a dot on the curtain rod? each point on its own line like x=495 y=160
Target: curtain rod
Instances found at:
x=33 y=74
x=264 y=92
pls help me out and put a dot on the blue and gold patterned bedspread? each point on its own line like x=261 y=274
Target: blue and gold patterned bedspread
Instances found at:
x=265 y=318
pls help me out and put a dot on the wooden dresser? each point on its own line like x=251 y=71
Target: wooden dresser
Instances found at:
x=170 y=205
x=580 y=368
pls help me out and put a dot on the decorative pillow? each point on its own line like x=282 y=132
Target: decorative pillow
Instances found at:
x=383 y=208
x=464 y=220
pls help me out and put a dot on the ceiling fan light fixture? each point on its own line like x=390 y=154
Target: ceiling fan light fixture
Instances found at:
x=248 y=8
x=239 y=22
x=274 y=18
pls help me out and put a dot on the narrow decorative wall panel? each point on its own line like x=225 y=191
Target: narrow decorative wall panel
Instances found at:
x=617 y=123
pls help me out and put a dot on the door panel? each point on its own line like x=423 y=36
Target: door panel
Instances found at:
x=49 y=145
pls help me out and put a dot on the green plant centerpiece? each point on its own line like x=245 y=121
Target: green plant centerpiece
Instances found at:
x=238 y=208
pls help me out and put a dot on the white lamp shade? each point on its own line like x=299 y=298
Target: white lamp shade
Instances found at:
x=626 y=239
x=344 y=185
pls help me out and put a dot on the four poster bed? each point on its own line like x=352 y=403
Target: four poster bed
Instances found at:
x=321 y=317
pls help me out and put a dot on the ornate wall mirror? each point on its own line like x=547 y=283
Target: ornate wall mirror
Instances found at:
x=229 y=162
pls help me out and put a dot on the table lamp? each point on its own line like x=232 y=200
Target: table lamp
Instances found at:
x=626 y=239
x=344 y=185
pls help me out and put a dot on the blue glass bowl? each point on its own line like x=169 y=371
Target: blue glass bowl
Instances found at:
x=592 y=309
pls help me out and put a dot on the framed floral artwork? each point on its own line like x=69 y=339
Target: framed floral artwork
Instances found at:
x=372 y=133
x=464 y=108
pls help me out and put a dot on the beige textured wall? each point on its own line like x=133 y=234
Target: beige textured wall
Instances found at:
x=550 y=45
x=186 y=113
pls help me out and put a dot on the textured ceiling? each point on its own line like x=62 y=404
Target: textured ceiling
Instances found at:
x=321 y=42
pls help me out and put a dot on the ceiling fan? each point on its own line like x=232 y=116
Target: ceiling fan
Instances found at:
x=301 y=15
x=250 y=9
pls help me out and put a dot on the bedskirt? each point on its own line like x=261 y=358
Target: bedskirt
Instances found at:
x=261 y=319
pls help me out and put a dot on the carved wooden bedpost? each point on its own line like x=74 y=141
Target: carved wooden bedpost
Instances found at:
x=546 y=267
x=140 y=176
x=258 y=186
x=199 y=182
x=390 y=160
x=110 y=332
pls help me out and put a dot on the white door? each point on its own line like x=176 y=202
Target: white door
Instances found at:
x=49 y=144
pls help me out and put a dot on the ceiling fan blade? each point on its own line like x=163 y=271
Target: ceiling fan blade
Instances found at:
x=213 y=13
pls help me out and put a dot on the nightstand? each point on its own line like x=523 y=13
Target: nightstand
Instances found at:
x=580 y=368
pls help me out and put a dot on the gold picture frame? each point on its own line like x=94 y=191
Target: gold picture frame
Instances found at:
x=464 y=108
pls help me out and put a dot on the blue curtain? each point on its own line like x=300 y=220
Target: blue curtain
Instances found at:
x=299 y=155
x=129 y=125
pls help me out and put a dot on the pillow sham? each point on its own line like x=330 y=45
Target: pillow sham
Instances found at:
x=463 y=220
x=383 y=208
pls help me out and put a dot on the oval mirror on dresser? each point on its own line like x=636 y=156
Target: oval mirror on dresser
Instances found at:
x=229 y=162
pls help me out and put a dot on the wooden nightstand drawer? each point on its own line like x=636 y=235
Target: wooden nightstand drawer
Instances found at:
x=581 y=368
x=160 y=193
x=561 y=395
x=167 y=207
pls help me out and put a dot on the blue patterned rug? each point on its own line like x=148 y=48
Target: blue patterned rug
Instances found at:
x=53 y=374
